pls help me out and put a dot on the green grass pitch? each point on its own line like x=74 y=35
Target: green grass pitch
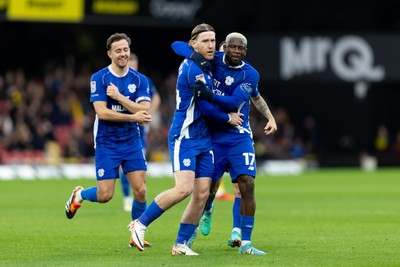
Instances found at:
x=331 y=217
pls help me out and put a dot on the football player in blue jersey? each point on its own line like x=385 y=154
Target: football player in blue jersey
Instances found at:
x=121 y=99
x=190 y=149
x=235 y=82
x=128 y=201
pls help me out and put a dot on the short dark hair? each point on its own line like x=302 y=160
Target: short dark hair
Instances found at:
x=203 y=27
x=115 y=38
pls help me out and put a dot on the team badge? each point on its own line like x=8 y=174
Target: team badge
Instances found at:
x=93 y=86
x=229 y=80
x=186 y=162
x=246 y=87
x=132 y=88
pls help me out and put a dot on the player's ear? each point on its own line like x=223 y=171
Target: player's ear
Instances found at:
x=192 y=43
x=109 y=53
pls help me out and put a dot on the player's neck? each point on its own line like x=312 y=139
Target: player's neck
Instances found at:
x=119 y=71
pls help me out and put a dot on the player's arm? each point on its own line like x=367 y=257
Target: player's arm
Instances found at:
x=262 y=107
x=131 y=106
x=155 y=100
x=207 y=108
x=104 y=113
x=240 y=94
x=215 y=114
x=184 y=49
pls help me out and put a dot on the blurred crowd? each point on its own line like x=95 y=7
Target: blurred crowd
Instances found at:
x=49 y=119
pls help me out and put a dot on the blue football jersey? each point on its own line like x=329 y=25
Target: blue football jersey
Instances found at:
x=239 y=83
x=132 y=85
x=188 y=121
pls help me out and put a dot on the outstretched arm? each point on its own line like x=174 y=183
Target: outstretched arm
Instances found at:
x=183 y=49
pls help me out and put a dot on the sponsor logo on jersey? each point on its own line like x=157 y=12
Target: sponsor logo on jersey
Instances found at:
x=201 y=77
x=132 y=88
x=229 y=80
x=93 y=86
x=117 y=108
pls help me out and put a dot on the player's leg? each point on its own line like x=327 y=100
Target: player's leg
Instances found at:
x=236 y=234
x=137 y=180
x=135 y=167
x=220 y=165
x=194 y=210
x=243 y=169
x=184 y=181
x=191 y=217
x=106 y=173
x=222 y=194
x=248 y=208
x=127 y=198
x=206 y=219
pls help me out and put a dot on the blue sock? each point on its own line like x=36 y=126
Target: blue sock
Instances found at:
x=152 y=212
x=210 y=203
x=185 y=232
x=90 y=194
x=137 y=209
x=247 y=226
x=126 y=187
x=236 y=212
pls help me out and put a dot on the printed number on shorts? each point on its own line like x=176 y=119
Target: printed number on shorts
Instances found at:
x=249 y=158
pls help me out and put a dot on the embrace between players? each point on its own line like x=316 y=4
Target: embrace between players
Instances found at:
x=210 y=128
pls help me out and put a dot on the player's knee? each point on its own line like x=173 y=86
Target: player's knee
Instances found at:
x=104 y=197
x=183 y=191
x=246 y=184
x=140 y=194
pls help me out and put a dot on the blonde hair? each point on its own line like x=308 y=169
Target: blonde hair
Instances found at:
x=203 y=27
x=237 y=36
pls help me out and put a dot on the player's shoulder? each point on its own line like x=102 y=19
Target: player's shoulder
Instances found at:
x=100 y=73
x=190 y=68
x=250 y=70
x=136 y=73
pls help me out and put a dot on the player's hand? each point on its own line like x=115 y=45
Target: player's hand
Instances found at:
x=141 y=117
x=200 y=61
x=271 y=127
x=201 y=91
x=236 y=119
x=113 y=92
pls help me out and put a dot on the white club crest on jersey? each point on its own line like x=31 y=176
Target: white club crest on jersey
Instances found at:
x=229 y=80
x=132 y=88
x=246 y=87
x=186 y=162
x=100 y=172
x=93 y=86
